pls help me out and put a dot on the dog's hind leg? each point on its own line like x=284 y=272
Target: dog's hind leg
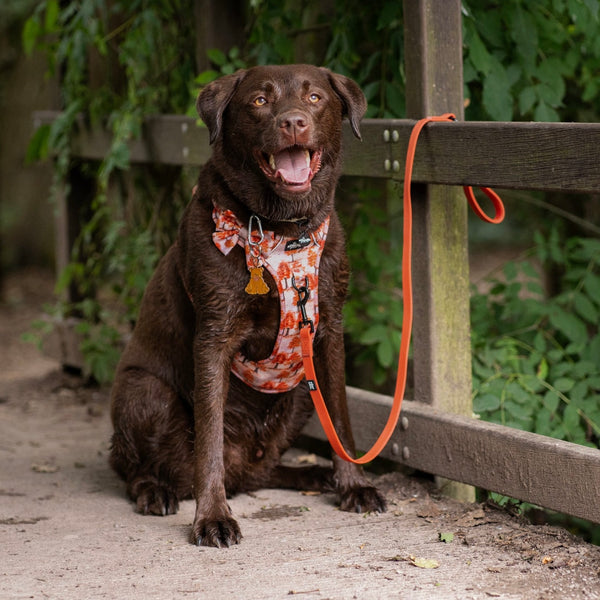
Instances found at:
x=152 y=442
x=309 y=478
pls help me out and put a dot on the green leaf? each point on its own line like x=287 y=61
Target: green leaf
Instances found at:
x=552 y=87
x=583 y=368
x=52 y=11
x=579 y=392
x=395 y=98
x=31 y=31
x=516 y=392
x=518 y=411
x=486 y=403
x=564 y=384
x=551 y=401
x=535 y=288
x=539 y=343
x=447 y=538
x=544 y=113
x=206 y=77
x=594 y=382
x=568 y=324
x=371 y=90
x=374 y=334
x=542 y=371
x=217 y=56
x=527 y=98
x=38 y=145
x=592 y=286
x=543 y=421
x=532 y=384
x=497 y=97
x=478 y=54
x=385 y=353
x=523 y=30
x=571 y=419
x=510 y=270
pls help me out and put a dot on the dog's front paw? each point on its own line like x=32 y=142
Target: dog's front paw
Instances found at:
x=152 y=498
x=219 y=533
x=363 y=499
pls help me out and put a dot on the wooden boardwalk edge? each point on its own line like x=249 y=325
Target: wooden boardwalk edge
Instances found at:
x=551 y=473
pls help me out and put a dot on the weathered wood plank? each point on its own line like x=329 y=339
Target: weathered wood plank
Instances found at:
x=528 y=156
x=550 y=473
x=532 y=156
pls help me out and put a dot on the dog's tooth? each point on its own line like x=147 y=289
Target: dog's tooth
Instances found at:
x=272 y=162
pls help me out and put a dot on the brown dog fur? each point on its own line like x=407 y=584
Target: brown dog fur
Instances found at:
x=184 y=426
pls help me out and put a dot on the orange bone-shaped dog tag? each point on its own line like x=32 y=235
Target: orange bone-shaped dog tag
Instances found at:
x=257 y=284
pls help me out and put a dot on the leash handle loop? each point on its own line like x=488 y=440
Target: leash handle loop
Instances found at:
x=306 y=335
x=496 y=201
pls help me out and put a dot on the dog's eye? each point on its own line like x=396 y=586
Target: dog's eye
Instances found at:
x=260 y=101
x=314 y=98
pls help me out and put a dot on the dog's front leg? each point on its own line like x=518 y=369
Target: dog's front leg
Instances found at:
x=355 y=492
x=213 y=523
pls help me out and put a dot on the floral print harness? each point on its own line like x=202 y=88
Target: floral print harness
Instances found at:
x=294 y=265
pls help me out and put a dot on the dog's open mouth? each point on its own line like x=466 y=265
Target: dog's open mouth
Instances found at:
x=292 y=168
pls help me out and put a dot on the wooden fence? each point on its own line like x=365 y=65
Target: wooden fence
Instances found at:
x=437 y=433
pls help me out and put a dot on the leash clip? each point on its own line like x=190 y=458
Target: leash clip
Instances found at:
x=303 y=296
x=261 y=235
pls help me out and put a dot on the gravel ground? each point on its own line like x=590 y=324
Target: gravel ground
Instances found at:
x=68 y=532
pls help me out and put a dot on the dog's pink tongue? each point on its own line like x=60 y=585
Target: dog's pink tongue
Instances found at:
x=292 y=165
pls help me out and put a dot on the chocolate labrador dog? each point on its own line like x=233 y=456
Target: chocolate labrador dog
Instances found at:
x=210 y=391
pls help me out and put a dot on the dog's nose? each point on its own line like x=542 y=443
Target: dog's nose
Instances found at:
x=295 y=126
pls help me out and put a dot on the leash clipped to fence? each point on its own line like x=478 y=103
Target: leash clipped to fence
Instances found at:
x=306 y=334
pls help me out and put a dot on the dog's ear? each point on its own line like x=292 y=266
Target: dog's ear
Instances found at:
x=213 y=100
x=352 y=97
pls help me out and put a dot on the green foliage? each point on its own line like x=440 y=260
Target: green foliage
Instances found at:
x=373 y=311
x=119 y=62
x=532 y=60
x=535 y=360
x=358 y=39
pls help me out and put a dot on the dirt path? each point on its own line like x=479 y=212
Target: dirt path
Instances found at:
x=67 y=531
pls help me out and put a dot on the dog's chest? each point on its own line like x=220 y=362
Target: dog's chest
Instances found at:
x=262 y=314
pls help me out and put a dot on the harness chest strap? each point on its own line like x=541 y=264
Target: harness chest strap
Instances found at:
x=291 y=263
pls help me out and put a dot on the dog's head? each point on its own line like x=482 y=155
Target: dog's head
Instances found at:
x=276 y=132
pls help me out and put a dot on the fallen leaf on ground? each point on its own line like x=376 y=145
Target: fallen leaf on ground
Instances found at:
x=44 y=468
x=472 y=518
x=423 y=563
x=428 y=511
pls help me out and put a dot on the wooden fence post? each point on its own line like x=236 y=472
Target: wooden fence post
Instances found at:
x=441 y=343
x=218 y=25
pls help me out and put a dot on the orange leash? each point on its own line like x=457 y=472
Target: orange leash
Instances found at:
x=306 y=333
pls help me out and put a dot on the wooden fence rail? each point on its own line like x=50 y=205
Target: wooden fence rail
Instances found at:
x=562 y=157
